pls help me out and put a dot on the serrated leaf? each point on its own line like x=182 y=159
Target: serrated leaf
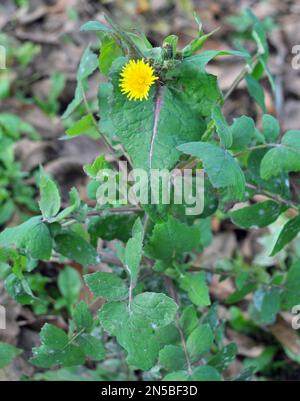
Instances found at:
x=7 y=353
x=33 y=236
x=133 y=251
x=84 y=126
x=222 y=127
x=151 y=309
x=76 y=248
x=205 y=373
x=196 y=286
x=242 y=131
x=259 y=215
x=53 y=337
x=199 y=341
x=50 y=197
x=140 y=343
x=69 y=284
x=189 y=319
x=284 y=157
x=180 y=375
x=82 y=317
x=172 y=238
x=222 y=169
x=271 y=128
x=172 y=357
x=91 y=346
x=109 y=51
x=107 y=285
x=56 y=349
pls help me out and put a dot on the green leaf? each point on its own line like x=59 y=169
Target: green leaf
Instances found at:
x=112 y=226
x=110 y=50
x=291 y=294
x=107 y=285
x=98 y=164
x=84 y=126
x=284 y=157
x=258 y=215
x=172 y=238
x=241 y=293
x=287 y=234
x=222 y=169
x=7 y=353
x=271 y=128
x=140 y=343
x=180 y=375
x=256 y=91
x=189 y=319
x=205 y=373
x=95 y=26
x=56 y=349
x=91 y=346
x=50 y=197
x=195 y=285
x=265 y=305
x=33 y=236
x=151 y=309
x=88 y=64
x=133 y=251
x=242 y=131
x=150 y=137
x=172 y=357
x=69 y=284
x=53 y=337
x=222 y=127
x=75 y=247
x=224 y=358
x=82 y=317
x=199 y=341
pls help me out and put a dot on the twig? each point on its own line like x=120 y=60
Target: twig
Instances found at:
x=273 y=196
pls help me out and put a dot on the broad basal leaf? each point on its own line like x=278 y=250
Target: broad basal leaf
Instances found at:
x=152 y=129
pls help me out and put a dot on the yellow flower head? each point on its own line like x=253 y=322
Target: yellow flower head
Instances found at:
x=136 y=79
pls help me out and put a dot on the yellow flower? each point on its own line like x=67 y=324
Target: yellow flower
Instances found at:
x=136 y=79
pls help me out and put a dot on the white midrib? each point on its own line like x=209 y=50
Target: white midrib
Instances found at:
x=158 y=106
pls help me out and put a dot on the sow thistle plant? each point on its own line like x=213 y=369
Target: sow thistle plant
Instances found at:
x=160 y=109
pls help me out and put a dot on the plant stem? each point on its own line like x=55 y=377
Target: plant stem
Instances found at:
x=244 y=72
x=171 y=290
x=273 y=196
x=99 y=212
